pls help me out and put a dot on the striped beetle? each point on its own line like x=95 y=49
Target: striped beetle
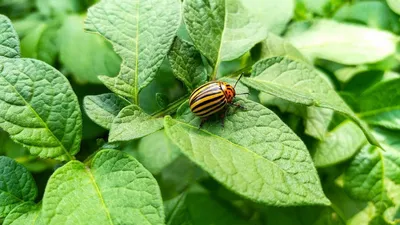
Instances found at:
x=211 y=98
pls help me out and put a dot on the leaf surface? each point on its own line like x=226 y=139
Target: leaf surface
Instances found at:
x=187 y=64
x=39 y=109
x=224 y=31
x=113 y=189
x=344 y=43
x=132 y=123
x=299 y=83
x=103 y=109
x=339 y=145
x=394 y=5
x=16 y=186
x=9 y=42
x=380 y=104
x=26 y=213
x=141 y=33
x=86 y=55
x=255 y=155
x=156 y=151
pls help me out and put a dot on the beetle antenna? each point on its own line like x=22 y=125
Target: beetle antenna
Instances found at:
x=238 y=79
x=243 y=93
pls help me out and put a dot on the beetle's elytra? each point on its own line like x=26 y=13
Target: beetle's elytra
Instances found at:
x=211 y=98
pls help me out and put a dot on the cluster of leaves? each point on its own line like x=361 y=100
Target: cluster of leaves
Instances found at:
x=324 y=93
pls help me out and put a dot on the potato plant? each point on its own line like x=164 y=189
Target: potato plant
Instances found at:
x=96 y=126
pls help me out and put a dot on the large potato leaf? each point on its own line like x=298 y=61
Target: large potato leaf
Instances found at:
x=255 y=155
x=299 y=83
x=224 y=30
x=39 y=108
x=113 y=189
x=9 y=42
x=344 y=43
x=141 y=33
x=16 y=186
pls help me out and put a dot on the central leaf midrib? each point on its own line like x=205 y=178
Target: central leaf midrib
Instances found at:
x=251 y=152
x=96 y=187
x=40 y=119
x=136 y=88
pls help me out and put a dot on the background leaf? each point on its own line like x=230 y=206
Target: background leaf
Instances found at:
x=380 y=105
x=16 y=187
x=252 y=141
x=114 y=189
x=187 y=64
x=235 y=27
x=9 y=42
x=39 y=108
x=103 y=109
x=141 y=33
x=344 y=43
x=305 y=86
x=41 y=43
x=95 y=56
x=394 y=5
x=132 y=123
x=156 y=151
x=339 y=145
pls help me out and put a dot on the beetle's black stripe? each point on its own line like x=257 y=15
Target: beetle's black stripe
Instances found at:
x=206 y=95
x=212 y=89
x=212 y=110
x=208 y=102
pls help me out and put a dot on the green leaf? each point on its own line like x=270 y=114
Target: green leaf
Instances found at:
x=40 y=109
x=132 y=123
x=365 y=177
x=141 y=33
x=339 y=145
x=224 y=31
x=374 y=14
x=26 y=213
x=274 y=46
x=300 y=83
x=380 y=104
x=9 y=42
x=344 y=43
x=176 y=211
x=41 y=43
x=16 y=187
x=56 y=7
x=203 y=209
x=394 y=5
x=156 y=151
x=187 y=64
x=302 y=215
x=252 y=141
x=113 y=189
x=103 y=109
x=86 y=55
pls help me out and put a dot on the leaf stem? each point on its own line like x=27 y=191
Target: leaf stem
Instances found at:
x=171 y=107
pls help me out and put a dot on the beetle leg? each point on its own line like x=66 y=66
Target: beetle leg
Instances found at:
x=203 y=120
x=238 y=106
x=223 y=115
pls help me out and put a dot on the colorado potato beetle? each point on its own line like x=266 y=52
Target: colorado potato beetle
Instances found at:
x=211 y=98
